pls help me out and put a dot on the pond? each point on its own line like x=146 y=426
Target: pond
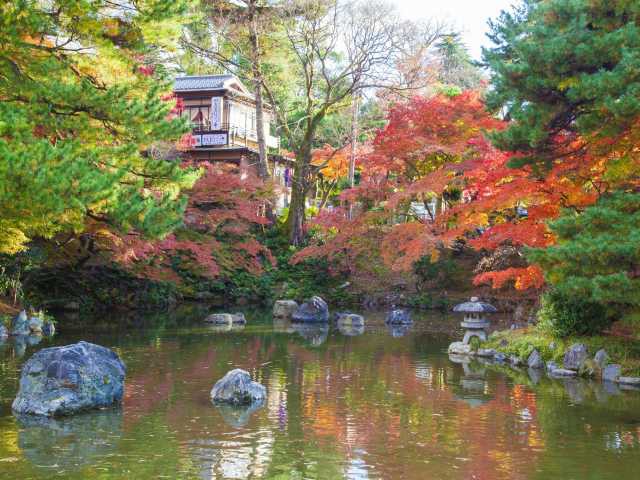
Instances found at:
x=341 y=404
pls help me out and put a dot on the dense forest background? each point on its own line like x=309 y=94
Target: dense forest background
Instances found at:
x=419 y=175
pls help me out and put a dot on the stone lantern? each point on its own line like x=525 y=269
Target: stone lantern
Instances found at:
x=474 y=322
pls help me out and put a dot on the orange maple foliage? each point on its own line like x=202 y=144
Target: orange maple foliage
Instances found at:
x=433 y=147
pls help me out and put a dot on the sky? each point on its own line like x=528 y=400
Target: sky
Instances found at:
x=468 y=16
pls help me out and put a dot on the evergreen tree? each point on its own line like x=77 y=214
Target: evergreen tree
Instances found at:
x=562 y=67
x=456 y=67
x=597 y=255
x=80 y=109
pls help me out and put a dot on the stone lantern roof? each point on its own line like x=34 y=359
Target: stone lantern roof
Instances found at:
x=474 y=305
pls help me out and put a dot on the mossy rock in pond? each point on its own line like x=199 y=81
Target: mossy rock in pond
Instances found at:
x=237 y=388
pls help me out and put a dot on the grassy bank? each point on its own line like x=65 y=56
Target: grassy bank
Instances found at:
x=623 y=350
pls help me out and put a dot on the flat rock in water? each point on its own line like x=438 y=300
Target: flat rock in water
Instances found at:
x=459 y=348
x=611 y=372
x=352 y=319
x=575 y=356
x=629 y=381
x=398 y=317
x=237 y=388
x=284 y=308
x=313 y=310
x=226 y=319
x=563 y=372
x=69 y=379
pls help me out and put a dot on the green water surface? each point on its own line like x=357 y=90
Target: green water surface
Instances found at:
x=341 y=404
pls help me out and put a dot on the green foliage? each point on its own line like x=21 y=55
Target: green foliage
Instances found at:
x=444 y=272
x=81 y=107
x=564 y=65
x=97 y=289
x=457 y=70
x=596 y=257
x=302 y=280
x=564 y=316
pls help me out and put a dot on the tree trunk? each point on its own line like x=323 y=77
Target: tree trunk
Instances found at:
x=256 y=73
x=297 y=207
x=354 y=140
x=354 y=143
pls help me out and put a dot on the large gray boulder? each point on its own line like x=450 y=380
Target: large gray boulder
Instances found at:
x=65 y=380
x=398 y=317
x=313 y=310
x=575 y=356
x=237 y=388
x=284 y=308
x=20 y=324
x=226 y=319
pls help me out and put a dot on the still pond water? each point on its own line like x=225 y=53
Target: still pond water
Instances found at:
x=341 y=404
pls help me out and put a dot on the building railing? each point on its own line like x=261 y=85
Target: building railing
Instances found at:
x=228 y=134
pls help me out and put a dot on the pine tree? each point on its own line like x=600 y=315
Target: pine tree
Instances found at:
x=597 y=255
x=564 y=67
x=81 y=108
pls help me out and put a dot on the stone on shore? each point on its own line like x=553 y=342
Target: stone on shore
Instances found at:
x=313 y=310
x=48 y=329
x=486 y=352
x=20 y=324
x=575 y=356
x=226 y=319
x=535 y=360
x=516 y=361
x=35 y=325
x=65 y=380
x=237 y=388
x=398 y=317
x=611 y=372
x=601 y=358
x=284 y=308
x=500 y=357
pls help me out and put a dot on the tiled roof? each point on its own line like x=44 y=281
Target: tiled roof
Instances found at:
x=201 y=82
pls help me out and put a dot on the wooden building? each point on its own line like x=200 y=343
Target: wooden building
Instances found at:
x=222 y=113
